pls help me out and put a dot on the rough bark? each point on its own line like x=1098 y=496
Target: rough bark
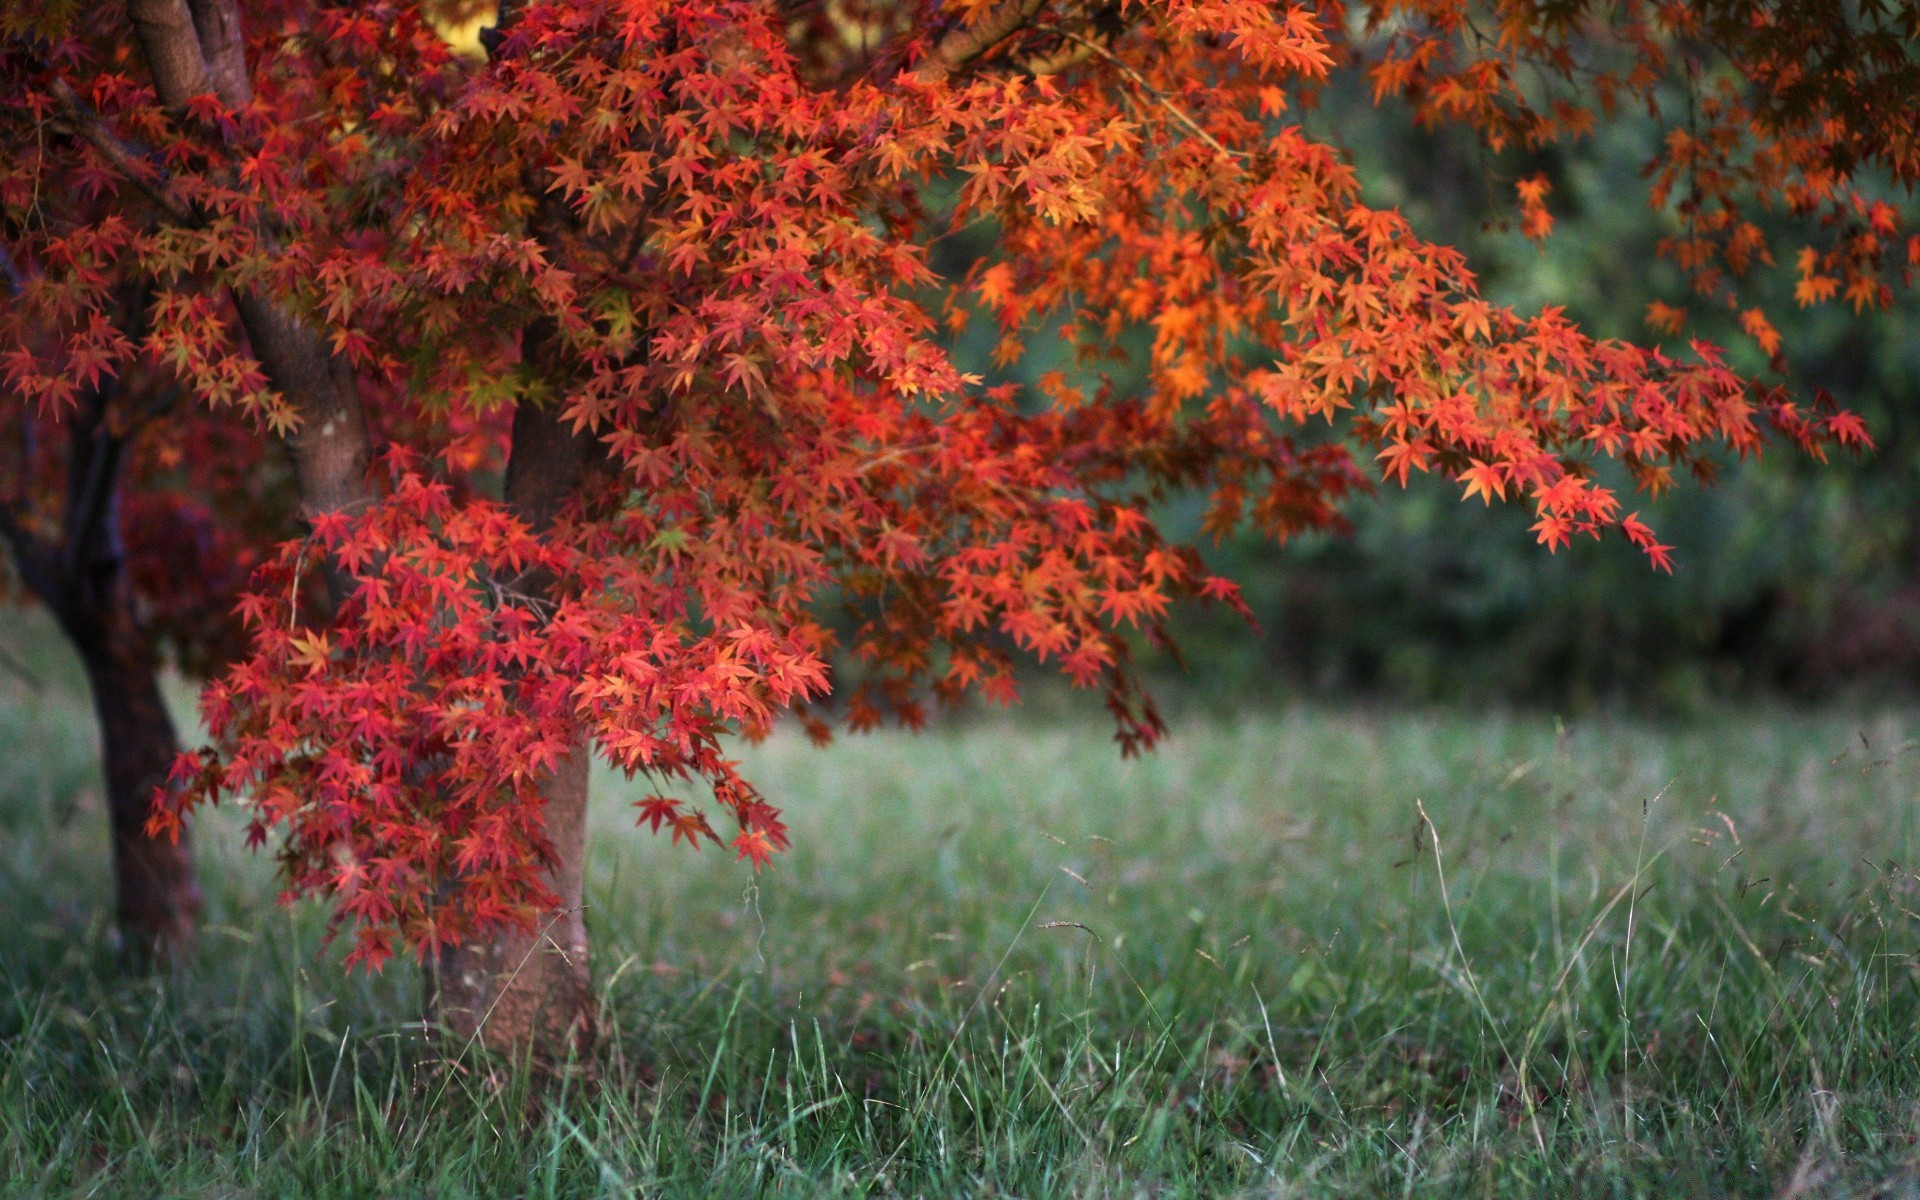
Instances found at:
x=528 y=995
x=172 y=45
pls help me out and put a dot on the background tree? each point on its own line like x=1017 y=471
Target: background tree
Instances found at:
x=125 y=514
x=666 y=262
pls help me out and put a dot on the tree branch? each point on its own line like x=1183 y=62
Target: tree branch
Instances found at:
x=166 y=33
x=223 y=49
x=33 y=559
x=93 y=475
x=92 y=527
x=36 y=562
x=86 y=125
x=194 y=47
x=1097 y=50
x=505 y=13
x=966 y=43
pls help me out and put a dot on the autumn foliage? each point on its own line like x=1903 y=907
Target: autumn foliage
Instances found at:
x=697 y=232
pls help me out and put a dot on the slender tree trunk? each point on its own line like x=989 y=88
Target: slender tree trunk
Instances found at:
x=194 y=47
x=81 y=578
x=529 y=995
x=156 y=899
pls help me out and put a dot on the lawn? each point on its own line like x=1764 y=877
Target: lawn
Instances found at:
x=1299 y=952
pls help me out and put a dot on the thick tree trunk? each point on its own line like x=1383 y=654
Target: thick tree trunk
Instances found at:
x=524 y=995
x=156 y=899
x=528 y=995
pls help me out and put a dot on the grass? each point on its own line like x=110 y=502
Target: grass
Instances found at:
x=1002 y=962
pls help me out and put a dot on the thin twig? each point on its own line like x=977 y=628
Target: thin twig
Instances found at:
x=1156 y=94
x=961 y=46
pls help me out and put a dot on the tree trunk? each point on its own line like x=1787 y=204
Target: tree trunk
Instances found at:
x=528 y=995
x=156 y=899
x=194 y=47
x=82 y=580
x=524 y=995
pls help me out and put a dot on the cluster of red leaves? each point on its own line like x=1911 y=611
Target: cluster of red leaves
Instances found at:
x=1796 y=105
x=699 y=230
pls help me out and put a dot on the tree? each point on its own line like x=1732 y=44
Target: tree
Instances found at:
x=640 y=311
x=119 y=515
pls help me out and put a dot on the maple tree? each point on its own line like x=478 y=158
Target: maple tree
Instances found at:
x=135 y=521
x=611 y=360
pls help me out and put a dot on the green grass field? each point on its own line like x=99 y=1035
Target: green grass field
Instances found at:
x=1002 y=962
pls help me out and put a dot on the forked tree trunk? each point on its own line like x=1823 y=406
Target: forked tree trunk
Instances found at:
x=529 y=996
x=156 y=900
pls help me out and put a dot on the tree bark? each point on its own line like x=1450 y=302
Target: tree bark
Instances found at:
x=529 y=996
x=156 y=899
x=194 y=47
x=82 y=581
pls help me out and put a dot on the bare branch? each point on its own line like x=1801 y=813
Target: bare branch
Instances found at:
x=1097 y=50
